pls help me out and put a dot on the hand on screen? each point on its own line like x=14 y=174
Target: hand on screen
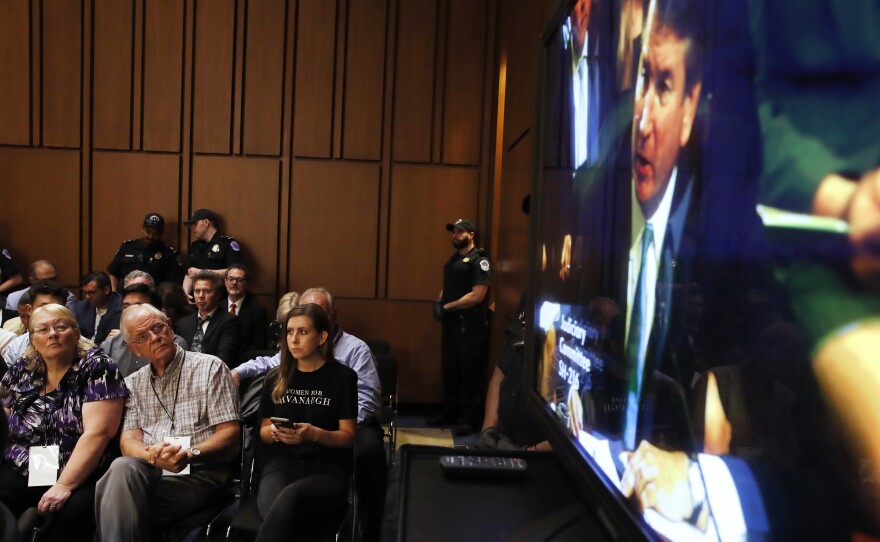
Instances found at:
x=718 y=430
x=857 y=202
x=863 y=215
x=658 y=479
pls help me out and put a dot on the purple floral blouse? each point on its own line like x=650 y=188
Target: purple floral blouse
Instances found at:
x=56 y=417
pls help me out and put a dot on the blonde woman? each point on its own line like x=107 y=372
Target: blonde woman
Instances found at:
x=63 y=397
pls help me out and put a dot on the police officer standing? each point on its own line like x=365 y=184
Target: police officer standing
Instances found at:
x=211 y=250
x=149 y=253
x=462 y=309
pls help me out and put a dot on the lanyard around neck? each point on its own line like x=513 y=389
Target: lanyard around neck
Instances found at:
x=176 y=391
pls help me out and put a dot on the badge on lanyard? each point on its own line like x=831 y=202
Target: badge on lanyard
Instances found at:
x=42 y=465
x=184 y=445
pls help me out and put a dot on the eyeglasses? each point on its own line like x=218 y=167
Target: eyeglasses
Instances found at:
x=236 y=280
x=157 y=329
x=60 y=327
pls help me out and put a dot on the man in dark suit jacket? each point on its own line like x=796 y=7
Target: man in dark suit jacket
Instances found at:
x=254 y=322
x=211 y=331
x=101 y=305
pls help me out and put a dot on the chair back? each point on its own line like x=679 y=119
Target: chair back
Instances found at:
x=379 y=347
x=386 y=366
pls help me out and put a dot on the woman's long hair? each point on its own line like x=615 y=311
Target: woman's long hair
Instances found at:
x=287 y=367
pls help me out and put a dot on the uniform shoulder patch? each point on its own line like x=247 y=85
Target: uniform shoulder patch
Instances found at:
x=484 y=265
x=6 y=253
x=234 y=245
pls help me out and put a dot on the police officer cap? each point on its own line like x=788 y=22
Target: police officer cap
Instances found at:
x=155 y=221
x=466 y=225
x=202 y=214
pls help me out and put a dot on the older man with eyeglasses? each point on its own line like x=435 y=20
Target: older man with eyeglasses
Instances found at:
x=168 y=428
x=115 y=347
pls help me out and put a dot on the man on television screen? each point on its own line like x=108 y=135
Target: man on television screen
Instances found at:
x=667 y=94
x=666 y=97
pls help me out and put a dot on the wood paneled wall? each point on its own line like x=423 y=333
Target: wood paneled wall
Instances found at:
x=520 y=23
x=334 y=138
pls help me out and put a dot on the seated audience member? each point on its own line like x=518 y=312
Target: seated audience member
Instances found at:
x=254 y=324
x=65 y=400
x=10 y=278
x=175 y=303
x=135 y=277
x=276 y=328
x=506 y=423
x=39 y=270
x=167 y=400
x=304 y=483
x=209 y=330
x=138 y=276
x=18 y=325
x=99 y=311
x=7 y=520
x=354 y=353
x=42 y=292
x=5 y=338
x=115 y=347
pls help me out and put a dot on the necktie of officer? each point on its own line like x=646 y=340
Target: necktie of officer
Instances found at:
x=232 y=308
x=200 y=334
x=634 y=360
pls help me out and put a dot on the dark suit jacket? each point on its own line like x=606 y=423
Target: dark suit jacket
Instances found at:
x=85 y=317
x=666 y=383
x=222 y=339
x=254 y=324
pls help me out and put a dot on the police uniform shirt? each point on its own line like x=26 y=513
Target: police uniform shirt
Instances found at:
x=7 y=266
x=161 y=261
x=462 y=273
x=218 y=253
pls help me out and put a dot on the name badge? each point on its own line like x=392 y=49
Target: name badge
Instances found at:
x=42 y=465
x=184 y=445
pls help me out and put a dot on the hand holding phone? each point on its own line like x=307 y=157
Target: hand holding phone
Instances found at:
x=283 y=422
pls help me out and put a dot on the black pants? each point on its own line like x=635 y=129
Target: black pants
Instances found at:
x=300 y=503
x=372 y=478
x=75 y=521
x=463 y=355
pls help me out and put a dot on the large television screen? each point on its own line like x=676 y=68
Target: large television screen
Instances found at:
x=704 y=289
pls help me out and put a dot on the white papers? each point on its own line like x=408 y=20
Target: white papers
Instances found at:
x=184 y=445
x=42 y=465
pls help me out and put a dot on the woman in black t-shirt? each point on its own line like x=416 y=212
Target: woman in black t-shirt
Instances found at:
x=304 y=483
